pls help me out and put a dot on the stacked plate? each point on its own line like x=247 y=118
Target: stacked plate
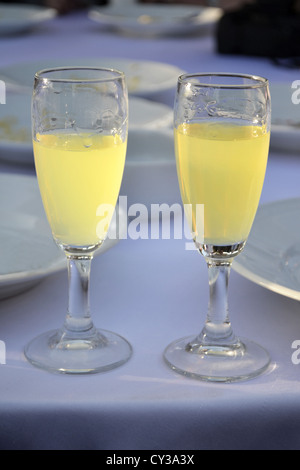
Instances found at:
x=22 y=18
x=156 y=19
x=285 y=132
x=144 y=79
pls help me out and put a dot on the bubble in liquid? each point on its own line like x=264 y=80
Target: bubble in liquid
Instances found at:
x=88 y=141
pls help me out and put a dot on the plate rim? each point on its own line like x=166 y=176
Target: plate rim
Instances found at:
x=242 y=270
x=12 y=82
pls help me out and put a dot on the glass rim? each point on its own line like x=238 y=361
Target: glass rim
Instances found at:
x=117 y=74
x=258 y=81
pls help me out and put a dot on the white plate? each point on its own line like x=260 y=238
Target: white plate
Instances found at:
x=144 y=78
x=15 y=124
x=156 y=19
x=18 y=18
x=146 y=114
x=28 y=253
x=150 y=175
x=271 y=257
x=285 y=132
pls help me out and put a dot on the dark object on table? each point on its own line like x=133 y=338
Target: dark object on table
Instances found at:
x=225 y=4
x=66 y=6
x=62 y=6
x=268 y=28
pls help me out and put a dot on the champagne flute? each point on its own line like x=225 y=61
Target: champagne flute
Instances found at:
x=222 y=133
x=80 y=127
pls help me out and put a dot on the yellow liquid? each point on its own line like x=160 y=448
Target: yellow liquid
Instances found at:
x=223 y=167
x=77 y=174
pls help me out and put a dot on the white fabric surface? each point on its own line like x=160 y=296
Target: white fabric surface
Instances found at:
x=151 y=292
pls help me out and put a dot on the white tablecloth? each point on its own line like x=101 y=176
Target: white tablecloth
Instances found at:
x=151 y=292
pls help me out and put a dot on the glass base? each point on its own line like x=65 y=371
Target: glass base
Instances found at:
x=228 y=363
x=54 y=351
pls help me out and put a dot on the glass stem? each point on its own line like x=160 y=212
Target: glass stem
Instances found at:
x=78 y=321
x=217 y=330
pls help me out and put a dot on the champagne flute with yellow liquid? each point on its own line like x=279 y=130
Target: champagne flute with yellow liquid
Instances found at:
x=80 y=127
x=222 y=134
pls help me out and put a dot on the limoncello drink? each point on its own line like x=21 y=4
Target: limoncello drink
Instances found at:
x=77 y=174
x=222 y=166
